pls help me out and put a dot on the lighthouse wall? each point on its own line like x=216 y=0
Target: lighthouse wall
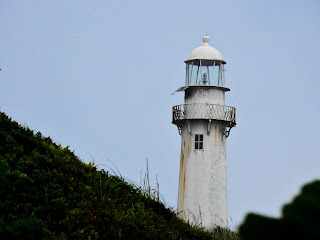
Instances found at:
x=203 y=94
x=202 y=197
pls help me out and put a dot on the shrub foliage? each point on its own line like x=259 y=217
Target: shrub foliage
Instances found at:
x=300 y=219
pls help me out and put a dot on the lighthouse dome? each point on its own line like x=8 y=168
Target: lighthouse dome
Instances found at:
x=205 y=52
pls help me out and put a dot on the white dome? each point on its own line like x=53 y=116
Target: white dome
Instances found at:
x=205 y=52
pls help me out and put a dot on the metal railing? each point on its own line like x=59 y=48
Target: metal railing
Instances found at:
x=204 y=111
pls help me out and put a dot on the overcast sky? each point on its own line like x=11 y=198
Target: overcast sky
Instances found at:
x=98 y=76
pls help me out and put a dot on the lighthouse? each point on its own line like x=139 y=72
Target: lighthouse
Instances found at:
x=204 y=123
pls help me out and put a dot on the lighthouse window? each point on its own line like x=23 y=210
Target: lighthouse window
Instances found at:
x=198 y=143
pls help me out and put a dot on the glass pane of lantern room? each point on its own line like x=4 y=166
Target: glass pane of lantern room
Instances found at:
x=210 y=74
x=198 y=75
x=204 y=75
x=194 y=71
x=216 y=81
x=189 y=73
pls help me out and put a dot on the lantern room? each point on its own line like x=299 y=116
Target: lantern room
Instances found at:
x=205 y=66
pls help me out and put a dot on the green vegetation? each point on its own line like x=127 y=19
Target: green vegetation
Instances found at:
x=46 y=192
x=300 y=219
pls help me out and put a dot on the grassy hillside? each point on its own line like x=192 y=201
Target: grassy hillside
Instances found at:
x=46 y=192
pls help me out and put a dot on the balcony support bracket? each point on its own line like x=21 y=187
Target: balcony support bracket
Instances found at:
x=189 y=127
x=179 y=129
x=228 y=129
x=209 y=127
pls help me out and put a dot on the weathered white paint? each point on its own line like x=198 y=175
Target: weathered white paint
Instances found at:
x=202 y=197
x=204 y=94
x=205 y=52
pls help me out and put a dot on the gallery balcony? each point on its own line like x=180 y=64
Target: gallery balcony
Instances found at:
x=204 y=111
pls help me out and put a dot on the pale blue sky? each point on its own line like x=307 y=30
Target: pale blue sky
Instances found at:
x=97 y=75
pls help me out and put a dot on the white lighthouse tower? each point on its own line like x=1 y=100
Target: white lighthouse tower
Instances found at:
x=204 y=123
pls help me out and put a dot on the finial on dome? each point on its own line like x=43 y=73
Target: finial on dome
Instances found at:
x=206 y=40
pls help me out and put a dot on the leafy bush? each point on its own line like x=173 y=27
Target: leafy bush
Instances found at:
x=300 y=219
